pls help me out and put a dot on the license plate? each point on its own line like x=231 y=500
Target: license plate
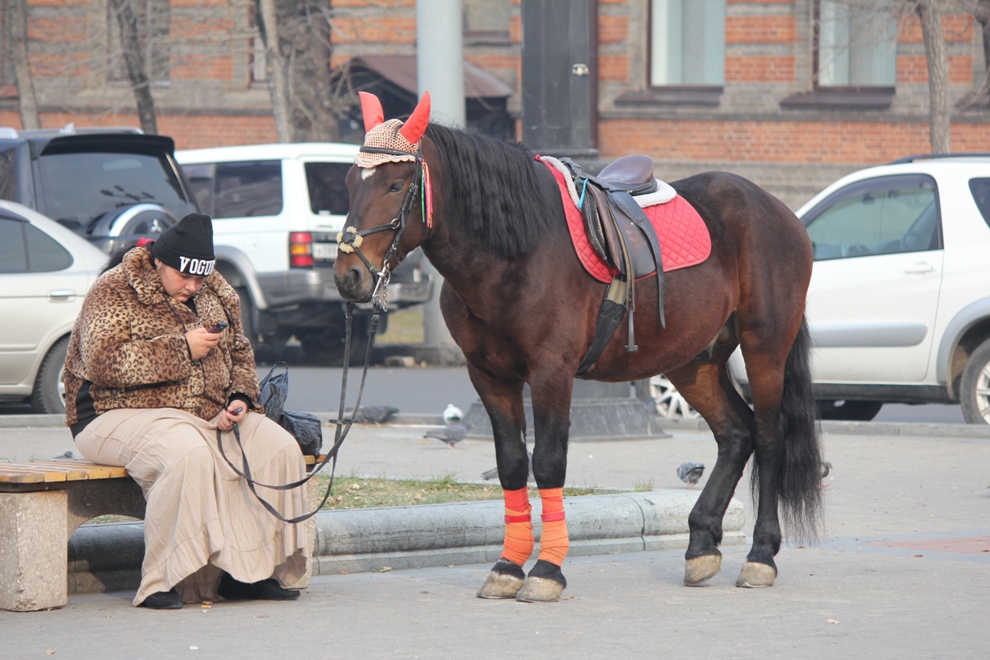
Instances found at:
x=325 y=251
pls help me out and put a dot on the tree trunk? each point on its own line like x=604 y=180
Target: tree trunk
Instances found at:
x=982 y=14
x=137 y=72
x=938 y=75
x=26 y=100
x=297 y=43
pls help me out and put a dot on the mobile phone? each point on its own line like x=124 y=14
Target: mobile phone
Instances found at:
x=219 y=327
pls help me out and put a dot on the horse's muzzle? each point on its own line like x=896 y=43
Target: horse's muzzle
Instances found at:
x=356 y=284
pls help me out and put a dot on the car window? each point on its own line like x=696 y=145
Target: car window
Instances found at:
x=81 y=187
x=200 y=179
x=8 y=177
x=247 y=189
x=13 y=255
x=980 y=188
x=886 y=215
x=27 y=249
x=328 y=188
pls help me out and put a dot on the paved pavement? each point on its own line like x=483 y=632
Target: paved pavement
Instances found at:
x=903 y=570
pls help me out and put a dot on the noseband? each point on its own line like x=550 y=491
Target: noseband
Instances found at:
x=350 y=239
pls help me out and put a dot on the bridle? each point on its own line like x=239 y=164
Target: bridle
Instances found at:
x=350 y=239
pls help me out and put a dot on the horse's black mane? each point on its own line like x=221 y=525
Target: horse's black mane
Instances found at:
x=493 y=189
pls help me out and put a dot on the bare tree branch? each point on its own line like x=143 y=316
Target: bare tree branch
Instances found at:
x=137 y=72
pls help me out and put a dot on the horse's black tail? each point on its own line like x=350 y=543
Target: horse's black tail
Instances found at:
x=800 y=480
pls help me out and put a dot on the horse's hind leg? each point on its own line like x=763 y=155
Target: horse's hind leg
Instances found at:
x=503 y=402
x=708 y=389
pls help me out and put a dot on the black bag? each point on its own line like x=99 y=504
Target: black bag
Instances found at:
x=304 y=427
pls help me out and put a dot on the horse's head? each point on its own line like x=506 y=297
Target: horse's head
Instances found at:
x=390 y=205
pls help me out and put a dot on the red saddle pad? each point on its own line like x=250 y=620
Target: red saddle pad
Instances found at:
x=683 y=235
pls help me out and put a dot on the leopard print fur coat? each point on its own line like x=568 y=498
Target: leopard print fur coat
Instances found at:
x=129 y=342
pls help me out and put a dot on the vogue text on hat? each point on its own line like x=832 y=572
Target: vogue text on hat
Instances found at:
x=196 y=266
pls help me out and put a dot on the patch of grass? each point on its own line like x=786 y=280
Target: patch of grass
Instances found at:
x=405 y=326
x=352 y=492
x=643 y=486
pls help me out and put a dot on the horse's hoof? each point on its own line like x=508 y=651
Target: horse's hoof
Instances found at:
x=698 y=570
x=540 y=590
x=755 y=575
x=500 y=585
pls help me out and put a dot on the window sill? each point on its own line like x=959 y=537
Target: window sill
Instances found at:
x=841 y=98
x=487 y=38
x=679 y=95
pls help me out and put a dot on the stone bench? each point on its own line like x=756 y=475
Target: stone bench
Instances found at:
x=41 y=504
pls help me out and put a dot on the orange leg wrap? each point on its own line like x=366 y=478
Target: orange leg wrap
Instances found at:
x=518 y=527
x=554 y=542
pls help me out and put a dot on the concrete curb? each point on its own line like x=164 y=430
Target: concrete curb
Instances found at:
x=108 y=557
x=907 y=429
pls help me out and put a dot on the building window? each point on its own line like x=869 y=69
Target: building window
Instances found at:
x=153 y=24
x=486 y=21
x=687 y=42
x=856 y=46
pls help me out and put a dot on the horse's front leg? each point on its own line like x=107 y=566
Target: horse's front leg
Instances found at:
x=551 y=415
x=503 y=402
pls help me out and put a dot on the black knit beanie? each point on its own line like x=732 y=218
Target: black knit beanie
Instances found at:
x=187 y=246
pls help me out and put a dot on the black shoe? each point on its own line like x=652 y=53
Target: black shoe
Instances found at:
x=163 y=600
x=269 y=589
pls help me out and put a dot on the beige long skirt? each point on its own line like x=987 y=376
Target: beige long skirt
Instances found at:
x=201 y=517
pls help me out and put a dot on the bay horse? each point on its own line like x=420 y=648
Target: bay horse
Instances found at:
x=523 y=310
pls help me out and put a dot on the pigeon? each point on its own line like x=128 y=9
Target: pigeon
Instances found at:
x=452 y=414
x=491 y=474
x=449 y=434
x=66 y=455
x=690 y=473
x=375 y=414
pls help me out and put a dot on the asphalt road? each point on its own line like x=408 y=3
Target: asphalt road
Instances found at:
x=428 y=390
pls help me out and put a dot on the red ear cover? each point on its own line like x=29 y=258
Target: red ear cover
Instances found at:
x=371 y=108
x=416 y=125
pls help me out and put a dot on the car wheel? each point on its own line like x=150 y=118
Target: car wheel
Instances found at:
x=247 y=315
x=669 y=402
x=974 y=390
x=853 y=411
x=48 y=397
x=325 y=347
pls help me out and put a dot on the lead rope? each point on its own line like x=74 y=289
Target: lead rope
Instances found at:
x=343 y=427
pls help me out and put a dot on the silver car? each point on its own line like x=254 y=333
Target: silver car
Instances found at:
x=45 y=272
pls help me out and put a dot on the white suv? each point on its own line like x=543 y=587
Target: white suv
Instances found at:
x=277 y=209
x=899 y=302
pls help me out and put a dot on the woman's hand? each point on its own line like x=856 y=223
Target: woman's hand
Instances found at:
x=201 y=341
x=233 y=414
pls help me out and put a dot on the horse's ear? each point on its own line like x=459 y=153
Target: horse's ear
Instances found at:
x=371 y=108
x=415 y=126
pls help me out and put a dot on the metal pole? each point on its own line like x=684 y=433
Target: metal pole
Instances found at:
x=440 y=70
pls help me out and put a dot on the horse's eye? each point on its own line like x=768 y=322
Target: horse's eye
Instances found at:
x=396 y=187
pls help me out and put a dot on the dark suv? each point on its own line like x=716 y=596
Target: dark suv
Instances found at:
x=110 y=185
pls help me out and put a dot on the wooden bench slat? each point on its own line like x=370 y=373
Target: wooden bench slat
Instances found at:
x=57 y=471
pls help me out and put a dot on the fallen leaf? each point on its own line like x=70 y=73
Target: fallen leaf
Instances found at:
x=919 y=555
x=384 y=569
x=50 y=652
x=832 y=621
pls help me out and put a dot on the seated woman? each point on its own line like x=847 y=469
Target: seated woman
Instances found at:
x=147 y=386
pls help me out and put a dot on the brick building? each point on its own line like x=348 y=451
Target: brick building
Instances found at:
x=791 y=93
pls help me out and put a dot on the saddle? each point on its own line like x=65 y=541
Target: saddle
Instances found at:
x=622 y=235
